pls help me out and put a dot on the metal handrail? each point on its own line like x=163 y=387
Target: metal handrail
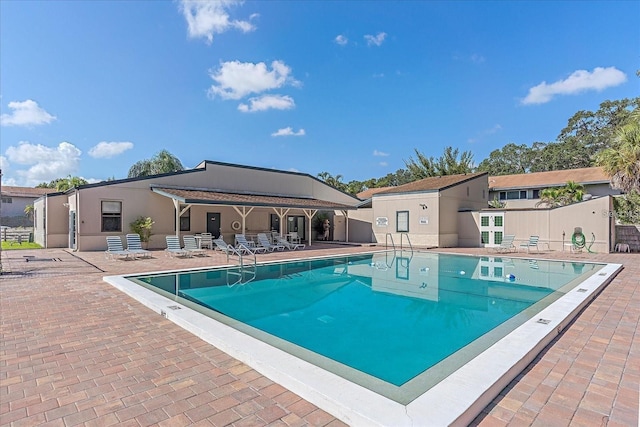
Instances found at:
x=243 y=249
x=386 y=241
x=408 y=241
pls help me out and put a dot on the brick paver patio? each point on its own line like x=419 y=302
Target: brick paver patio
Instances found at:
x=76 y=351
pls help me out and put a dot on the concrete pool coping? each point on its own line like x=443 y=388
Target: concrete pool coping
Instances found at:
x=454 y=401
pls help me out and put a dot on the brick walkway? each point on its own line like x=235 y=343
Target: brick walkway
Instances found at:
x=76 y=351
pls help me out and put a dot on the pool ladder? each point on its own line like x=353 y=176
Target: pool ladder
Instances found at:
x=238 y=277
x=388 y=237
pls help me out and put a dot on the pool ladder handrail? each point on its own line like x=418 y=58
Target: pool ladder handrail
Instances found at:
x=393 y=245
x=252 y=270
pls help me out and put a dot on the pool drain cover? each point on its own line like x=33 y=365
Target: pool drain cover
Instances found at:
x=544 y=321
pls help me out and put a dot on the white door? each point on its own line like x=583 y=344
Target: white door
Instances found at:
x=491 y=229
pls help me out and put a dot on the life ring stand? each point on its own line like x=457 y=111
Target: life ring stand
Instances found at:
x=235 y=225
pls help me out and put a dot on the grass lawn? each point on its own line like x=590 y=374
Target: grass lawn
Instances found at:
x=9 y=246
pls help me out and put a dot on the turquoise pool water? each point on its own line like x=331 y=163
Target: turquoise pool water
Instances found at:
x=389 y=316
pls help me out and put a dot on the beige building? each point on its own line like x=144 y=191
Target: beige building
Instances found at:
x=423 y=211
x=226 y=199
x=220 y=198
x=523 y=190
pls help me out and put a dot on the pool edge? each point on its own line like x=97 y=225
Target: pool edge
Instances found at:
x=455 y=401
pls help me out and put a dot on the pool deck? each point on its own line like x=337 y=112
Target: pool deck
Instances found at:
x=75 y=350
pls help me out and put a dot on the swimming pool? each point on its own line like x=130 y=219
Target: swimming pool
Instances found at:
x=396 y=325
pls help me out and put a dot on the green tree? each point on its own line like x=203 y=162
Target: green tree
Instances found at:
x=447 y=164
x=28 y=211
x=572 y=192
x=551 y=197
x=162 y=162
x=594 y=130
x=142 y=226
x=627 y=208
x=334 y=181
x=63 y=184
x=509 y=160
x=622 y=161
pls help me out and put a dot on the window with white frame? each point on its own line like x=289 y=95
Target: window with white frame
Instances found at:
x=111 y=216
x=402 y=221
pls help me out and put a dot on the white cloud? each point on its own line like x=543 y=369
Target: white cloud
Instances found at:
x=383 y=164
x=579 y=81
x=106 y=150
x=267 y=102
x=380 y=153
x=235 y=80
x=341 y=40
x=288 y=131
x=26 y=113
x=208 y=17
x=477 y=58
x=375 y=40
x=45 y=163
x=495 y=129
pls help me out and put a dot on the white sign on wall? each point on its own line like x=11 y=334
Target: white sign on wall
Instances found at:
x=424 y=220
x=382 y=221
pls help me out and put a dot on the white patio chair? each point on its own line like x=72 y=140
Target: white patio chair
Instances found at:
x=191 y=246
x=134 y=245
x=115 y=248
x=289 y=245
x=243 y=243
x=263 y=240
x=173 y=247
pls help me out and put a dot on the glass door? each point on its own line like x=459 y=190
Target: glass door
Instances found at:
x=491 y=229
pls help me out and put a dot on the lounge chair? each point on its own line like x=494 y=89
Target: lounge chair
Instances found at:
x=173 y=247
x=533 y=242
x=191 y=246
x=506 y=245
x=263 y=240
x=206 y=240
x=225 y=247
x=242 y=242
x=134 y=245
x=289 y=245
x=115 y=248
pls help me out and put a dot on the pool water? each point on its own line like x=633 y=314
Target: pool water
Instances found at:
x=391 y=319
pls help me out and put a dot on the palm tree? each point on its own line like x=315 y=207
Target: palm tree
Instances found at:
x=552 y=197
x=622 y=161
x=572 y=192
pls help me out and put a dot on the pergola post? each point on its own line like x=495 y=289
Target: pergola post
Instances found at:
x=310 y=213
x=346 y=225
x=179 y=213
x=244 y=214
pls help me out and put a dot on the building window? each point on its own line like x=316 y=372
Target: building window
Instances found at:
x=497 y=221
x=484 y=221
x=484 y=237
x=111 y=216
x=497 y=236
x=185 y=221
x=402 y=221
x=535 y=194
x=7 y=200
x=513 y=195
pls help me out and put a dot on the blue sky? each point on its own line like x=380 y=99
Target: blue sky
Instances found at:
x=351 y=88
